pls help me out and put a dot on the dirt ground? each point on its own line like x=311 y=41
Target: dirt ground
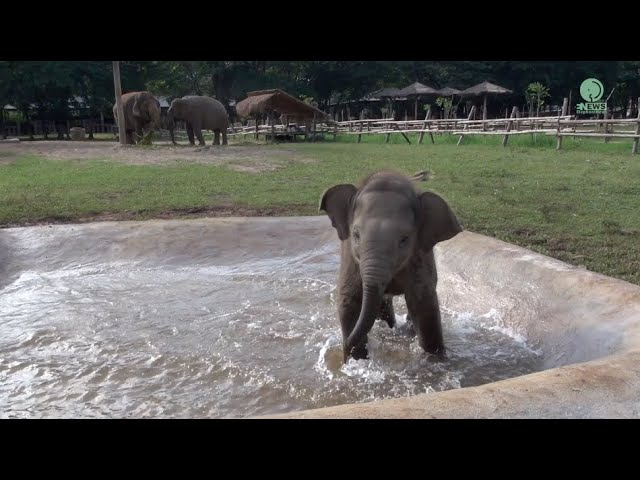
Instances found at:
x=245 y=158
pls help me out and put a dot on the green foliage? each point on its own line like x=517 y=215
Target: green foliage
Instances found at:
x=538 y=91
x=309 y=101
x=147 y=138
x=445 y=103
x=47 y=89
x=536 y=94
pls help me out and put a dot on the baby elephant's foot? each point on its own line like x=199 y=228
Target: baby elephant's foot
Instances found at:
x=358 y=353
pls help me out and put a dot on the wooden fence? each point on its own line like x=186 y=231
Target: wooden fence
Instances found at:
x=560 y=126
x=18 y=130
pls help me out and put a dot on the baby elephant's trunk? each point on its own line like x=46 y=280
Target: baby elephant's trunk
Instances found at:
x=374 y=281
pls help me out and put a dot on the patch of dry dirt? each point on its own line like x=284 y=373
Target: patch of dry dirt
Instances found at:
x=6 y=155
x=245 y=158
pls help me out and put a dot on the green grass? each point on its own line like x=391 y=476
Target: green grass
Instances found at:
x=579 y=205
x=524 y=140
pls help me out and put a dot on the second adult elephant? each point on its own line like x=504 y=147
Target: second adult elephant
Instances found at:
x=199 y=113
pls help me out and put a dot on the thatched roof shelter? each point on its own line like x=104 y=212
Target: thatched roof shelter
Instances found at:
x=388 y=92
x=267 y=101
x=415 y=90
x=485 y=88
x=448 y=92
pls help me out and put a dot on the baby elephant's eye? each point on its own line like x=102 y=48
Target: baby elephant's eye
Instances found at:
x=356 y=235
x=404 y=240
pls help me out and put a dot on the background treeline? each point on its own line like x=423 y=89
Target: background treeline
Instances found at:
x=51 y=91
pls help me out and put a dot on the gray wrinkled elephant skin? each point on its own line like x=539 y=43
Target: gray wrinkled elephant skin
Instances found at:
x=199 y=113
x=388 y=230
x=141 y=114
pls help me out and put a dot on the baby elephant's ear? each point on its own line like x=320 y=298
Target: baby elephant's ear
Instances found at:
x=336 y=201
x=438 y=222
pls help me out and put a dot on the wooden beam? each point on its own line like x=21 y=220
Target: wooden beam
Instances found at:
x=471 y=113
x=117 y=86
x=506 y=136
x=516 y=132
x=424 y=126
x=634 y=148
x=600 y=135
x=614 y=121
x=565 y=105
x=403 y=134
x=484 y=108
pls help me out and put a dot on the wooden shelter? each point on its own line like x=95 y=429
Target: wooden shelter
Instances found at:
x=383 y=93
x=448 y=92
x=387 y=95
x=485 y=88
x=270 y=101
x=416 y=90
x=275 y=101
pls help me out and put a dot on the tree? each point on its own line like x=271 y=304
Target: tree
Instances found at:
x=94 y=83
x=5 y=82
x=536 y=94
x=445 y=103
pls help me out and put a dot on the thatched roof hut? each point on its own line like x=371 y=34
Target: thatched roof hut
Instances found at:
x=268 y=101
x=485 y=88
x=448 y=92
x=388 y=92
x=416 y=89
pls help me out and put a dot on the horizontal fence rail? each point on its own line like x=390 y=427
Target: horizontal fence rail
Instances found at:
x=560 y=126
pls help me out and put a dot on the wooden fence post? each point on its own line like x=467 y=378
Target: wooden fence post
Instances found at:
x=273 y=127
x=426 y=125
x=506 y=135
x=471 y=114
x=565 y=106
x=634 y=148
x=119 y=108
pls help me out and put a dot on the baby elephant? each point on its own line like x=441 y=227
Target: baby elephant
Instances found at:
x=388 y=230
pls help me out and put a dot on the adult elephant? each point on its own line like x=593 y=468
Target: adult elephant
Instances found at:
x=199 y=113
x=388 y=231
x=141 y=114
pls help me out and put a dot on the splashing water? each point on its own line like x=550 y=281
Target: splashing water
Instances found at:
x=258 y=337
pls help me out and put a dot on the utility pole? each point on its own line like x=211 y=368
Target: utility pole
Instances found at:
x=118 y=89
